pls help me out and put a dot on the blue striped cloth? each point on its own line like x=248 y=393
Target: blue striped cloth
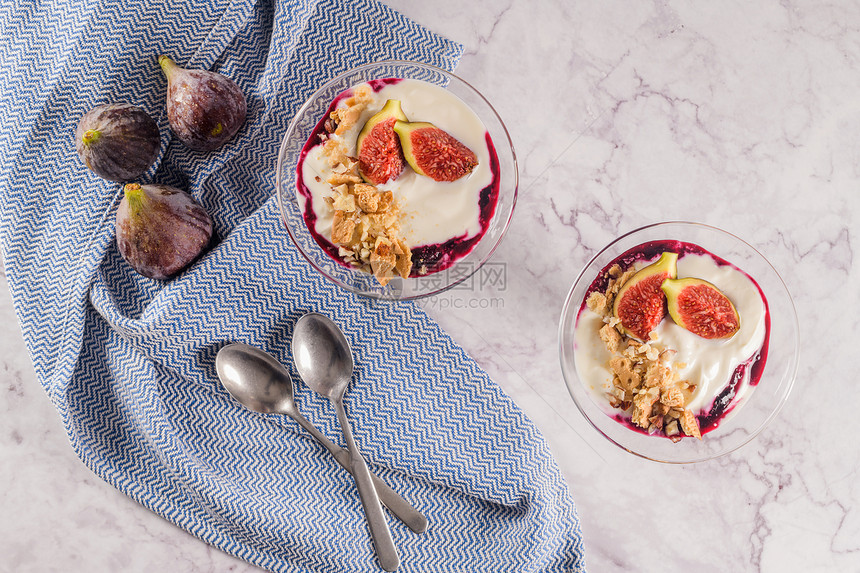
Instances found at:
x=129 y=362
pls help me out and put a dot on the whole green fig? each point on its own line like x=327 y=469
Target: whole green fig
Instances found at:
x=117 y=141
x=160 y=230
x=205 y=109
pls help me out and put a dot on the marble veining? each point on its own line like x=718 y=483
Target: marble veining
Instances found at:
x=744 y=116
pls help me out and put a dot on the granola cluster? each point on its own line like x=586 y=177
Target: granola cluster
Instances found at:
x=644 y=376
x=365 y=223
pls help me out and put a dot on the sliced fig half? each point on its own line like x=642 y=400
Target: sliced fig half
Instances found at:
x=434 y=152
x=640 y=305
x=701 y=308
x=380 y=158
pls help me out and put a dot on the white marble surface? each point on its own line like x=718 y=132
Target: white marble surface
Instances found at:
x=741 y=115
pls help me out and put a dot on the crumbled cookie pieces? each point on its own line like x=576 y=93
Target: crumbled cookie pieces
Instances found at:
x=610 y=337
x=365 y=227
x=597 y=302
x=365 y=221
x=343 y=118
x=644 y=376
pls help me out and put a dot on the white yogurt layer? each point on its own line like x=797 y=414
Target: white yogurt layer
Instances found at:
x=431 y=211
x=709 y=364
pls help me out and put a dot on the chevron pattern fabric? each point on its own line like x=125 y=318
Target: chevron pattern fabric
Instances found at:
x=129 y=362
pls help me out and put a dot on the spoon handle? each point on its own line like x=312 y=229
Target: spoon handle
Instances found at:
x=386 y=552
x=401 y=508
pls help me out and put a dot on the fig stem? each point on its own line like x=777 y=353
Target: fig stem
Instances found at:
x=135 y=195
x=91 y=136
x=167 y=65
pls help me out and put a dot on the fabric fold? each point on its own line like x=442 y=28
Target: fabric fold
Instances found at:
x=129 y=362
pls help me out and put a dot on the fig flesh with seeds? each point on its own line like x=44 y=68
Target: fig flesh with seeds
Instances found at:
x=117 y=141
x=640 y=305
x=700 y=307
x=205 y=109
x=160 y=230
x=380 y=158
x=433 y=152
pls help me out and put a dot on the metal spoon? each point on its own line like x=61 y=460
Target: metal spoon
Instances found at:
x=324 y=361
x=262 y=384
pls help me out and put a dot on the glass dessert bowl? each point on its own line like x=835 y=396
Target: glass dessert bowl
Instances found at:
x=678 y=342
x=396 y=180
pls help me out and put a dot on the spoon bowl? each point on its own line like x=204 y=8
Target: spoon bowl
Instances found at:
x=322 y=355
x=256 y=379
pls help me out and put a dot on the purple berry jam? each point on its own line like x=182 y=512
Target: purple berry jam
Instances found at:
x=426 y=259
x=727 y=399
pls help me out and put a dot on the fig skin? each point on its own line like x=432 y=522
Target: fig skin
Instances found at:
x=160 y=230
x=640 y=311
x=117 y=141
x=434 y=152
x=205 y=109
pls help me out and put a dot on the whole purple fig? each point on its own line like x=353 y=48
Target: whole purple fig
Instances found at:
x=160 y=230
x=117 y=141
x=205 y=109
